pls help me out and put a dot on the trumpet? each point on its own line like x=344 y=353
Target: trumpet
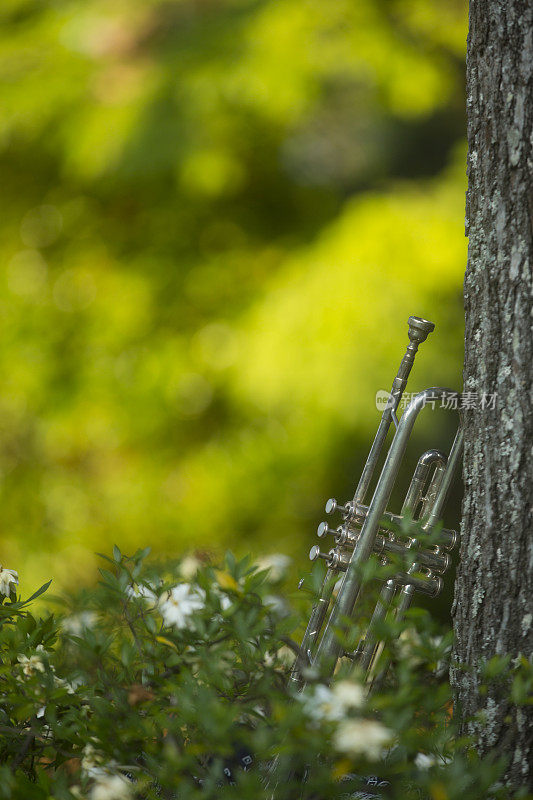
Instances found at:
x=370 y=531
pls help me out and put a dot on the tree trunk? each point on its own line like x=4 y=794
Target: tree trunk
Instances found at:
x=493 y=612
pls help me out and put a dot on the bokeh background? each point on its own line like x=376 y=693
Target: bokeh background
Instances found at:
x=216 y=217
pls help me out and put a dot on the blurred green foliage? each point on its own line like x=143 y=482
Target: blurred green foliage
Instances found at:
x=216 y=218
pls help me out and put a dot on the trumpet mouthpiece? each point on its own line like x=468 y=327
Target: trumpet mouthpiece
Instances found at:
x=419 y=329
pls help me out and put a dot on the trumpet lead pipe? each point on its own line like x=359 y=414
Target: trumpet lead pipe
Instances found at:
x=419 y=330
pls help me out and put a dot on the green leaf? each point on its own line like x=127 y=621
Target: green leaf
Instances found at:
x=495 y=667
x=39 y=592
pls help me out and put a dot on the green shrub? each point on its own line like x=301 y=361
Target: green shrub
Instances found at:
x=170 y=681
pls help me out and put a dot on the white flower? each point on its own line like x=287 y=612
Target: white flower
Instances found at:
x=424 y=761
x=8 y=580
x=77 y=623
x=31 y=665
x=189 y=567
x=323 y=704
x=91 y=761
x=427 y=760
x=362 y=737
x=276 y=563
x=180 y=603
x=350 y=694
x=139 y=590
x=111 y=787
x=284 y=656
x=70 y=686
x=225 y=602
x=334 y=704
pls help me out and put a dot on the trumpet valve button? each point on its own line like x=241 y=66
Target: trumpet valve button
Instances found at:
x=324 y=529
x=315 y=554
x=332 y=505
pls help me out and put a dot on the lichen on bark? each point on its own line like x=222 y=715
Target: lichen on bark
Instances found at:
x=494 y=590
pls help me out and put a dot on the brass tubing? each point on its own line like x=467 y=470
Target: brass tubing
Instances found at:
x=453 y=462
x=406 y=598
x=427 y=559
x=435 y=561
x=416 y=488
x=370 y=641
x=430 y=585
x=367 y=648
x=419 y=330
x=446 y=538
x=432 y=491
x=442 y=483
x=329 y=648
x=314 y=626
x=339 y=560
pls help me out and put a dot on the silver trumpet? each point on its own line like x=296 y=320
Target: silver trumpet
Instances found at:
x=368 y=531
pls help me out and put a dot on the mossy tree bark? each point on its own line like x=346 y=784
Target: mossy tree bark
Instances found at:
x=493 y=611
